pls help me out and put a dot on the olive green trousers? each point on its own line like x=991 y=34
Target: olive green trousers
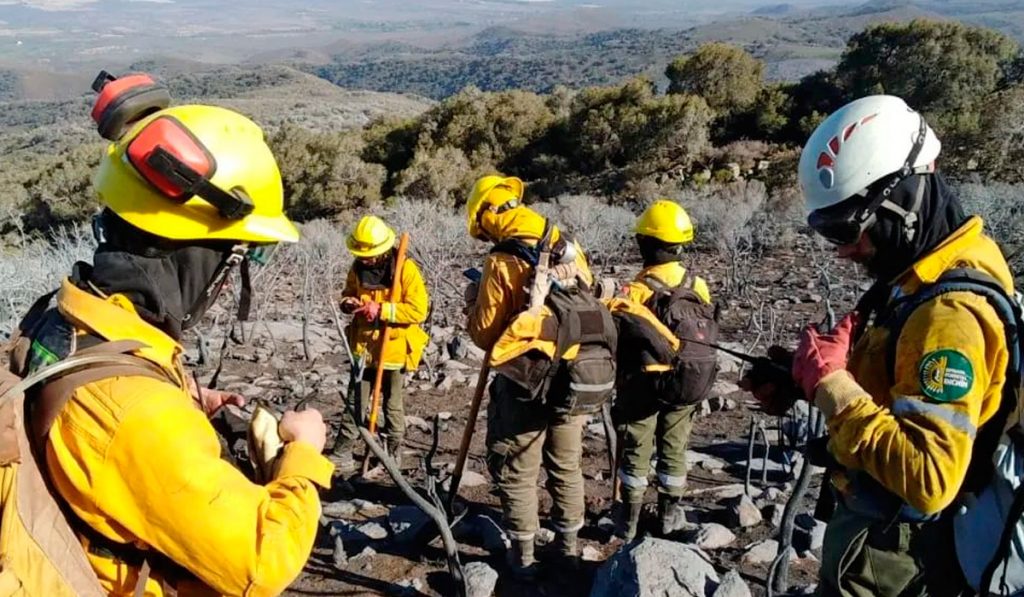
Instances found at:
x=521 y=437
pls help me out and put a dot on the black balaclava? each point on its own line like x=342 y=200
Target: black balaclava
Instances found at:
x=377 y=275
x=657 y=252
x=938 y=216
x=169 y=282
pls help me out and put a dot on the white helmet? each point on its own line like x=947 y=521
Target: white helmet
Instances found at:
x=861 y=143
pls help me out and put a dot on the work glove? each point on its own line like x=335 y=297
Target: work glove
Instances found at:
x=350 y=304
x=770 y=381
x=369 y=310
x=819 y=354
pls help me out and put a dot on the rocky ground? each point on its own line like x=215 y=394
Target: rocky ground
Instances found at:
x=373 y=541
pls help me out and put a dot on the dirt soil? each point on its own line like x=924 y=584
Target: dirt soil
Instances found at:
x=782 y=292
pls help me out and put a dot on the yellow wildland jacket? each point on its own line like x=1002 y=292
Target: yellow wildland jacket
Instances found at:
x=670 y=274
x=914 y=433
x=503 y=294
x=137 y=461
x=406 y=338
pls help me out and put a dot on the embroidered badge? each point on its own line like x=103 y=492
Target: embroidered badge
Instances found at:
x=946 y=375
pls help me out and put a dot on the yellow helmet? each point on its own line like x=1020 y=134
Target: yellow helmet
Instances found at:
x=196 y=173
x=483 y=195
x=371 y=237
x=666 y=221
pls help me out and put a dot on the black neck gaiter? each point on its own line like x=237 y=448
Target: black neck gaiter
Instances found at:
x=377 y=275
x=938 y=216
x=165 y=280
x=656 y=252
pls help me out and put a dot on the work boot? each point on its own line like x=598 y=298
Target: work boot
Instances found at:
x=520 y=560
x=344 y=462
x=628 y=520
x=672 y=515
x=565 y=552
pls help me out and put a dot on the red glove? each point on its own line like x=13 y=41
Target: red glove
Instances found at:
x=370 y=310
x=820 y=354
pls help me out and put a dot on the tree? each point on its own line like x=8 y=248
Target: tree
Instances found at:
x=390 y=142
x=629 y=124
x=489 y=128
x=61 y=191
x=998 y=150
x=474 y=130
x=939 y=68
x=771 y=110
x=727 y=77
x=323 y=173
x=768 y=118
x=442 y=176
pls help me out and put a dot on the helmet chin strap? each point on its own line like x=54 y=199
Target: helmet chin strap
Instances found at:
x=216 y=284
x=909 y=217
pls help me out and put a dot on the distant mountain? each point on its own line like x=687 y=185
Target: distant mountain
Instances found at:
x=434 y=48
x=794 y=43
x=273 y=96
x=774 y=10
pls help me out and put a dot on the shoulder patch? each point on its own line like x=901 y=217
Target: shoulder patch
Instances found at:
x=945 y=375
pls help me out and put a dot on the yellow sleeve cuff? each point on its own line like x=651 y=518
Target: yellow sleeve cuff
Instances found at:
x=836 y=391
x=301 y=459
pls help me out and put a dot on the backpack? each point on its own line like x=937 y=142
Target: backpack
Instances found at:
x=40 y=553
x=581 y=384
x=695 y=366
x=988 y=527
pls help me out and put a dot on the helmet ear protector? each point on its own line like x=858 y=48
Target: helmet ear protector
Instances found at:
x=165 y=153
x=123 y=100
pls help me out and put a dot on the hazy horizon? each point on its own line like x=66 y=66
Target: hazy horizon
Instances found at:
x=66 y=34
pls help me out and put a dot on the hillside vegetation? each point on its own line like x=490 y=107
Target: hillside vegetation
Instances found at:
x=792 y=44
x=51 y=147
x=719 y=121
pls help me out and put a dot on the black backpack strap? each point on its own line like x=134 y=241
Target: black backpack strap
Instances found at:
x=979 y=283
x=654 y=284
x=31 y=318
x=517 y=248
x=958 y=280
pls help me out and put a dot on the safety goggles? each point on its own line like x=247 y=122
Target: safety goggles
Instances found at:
x=845 y=223
x=375 y=259
x=842 y=224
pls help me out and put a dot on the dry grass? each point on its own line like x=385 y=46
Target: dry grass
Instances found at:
x=33 y=268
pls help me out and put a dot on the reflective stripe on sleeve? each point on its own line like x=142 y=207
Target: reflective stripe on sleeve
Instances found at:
x=903 y=407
